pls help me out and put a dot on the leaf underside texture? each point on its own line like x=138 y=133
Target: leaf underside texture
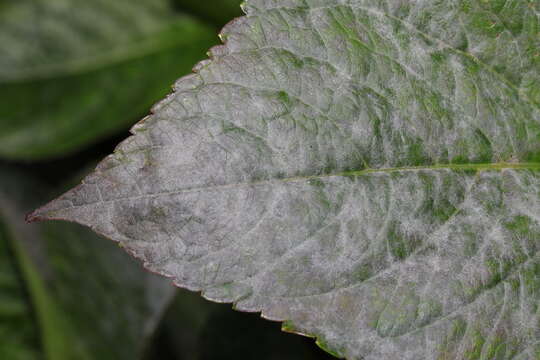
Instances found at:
x=367 y=171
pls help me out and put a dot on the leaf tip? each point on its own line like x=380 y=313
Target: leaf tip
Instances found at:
x=34 y=216
x=37 y=215
x=42 y=213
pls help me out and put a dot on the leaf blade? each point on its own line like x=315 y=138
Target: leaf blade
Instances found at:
x=344 y=143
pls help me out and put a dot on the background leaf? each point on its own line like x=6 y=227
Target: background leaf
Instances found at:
x=18 y=328
x=73 y=71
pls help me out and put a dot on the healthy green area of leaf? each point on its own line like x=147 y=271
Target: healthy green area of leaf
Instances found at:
x=367 y=171
x=67 y=313
x=75 y=71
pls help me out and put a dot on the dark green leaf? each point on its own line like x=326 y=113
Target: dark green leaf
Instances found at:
x=19 y=333
x=73 y=71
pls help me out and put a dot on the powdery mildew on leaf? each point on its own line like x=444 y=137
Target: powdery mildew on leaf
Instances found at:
x=367 y=171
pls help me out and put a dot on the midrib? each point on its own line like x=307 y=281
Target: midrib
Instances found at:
x=474 y=167
x=41 y=213
x=477 y=167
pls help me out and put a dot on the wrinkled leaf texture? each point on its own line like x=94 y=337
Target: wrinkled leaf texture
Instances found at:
x=365 y=171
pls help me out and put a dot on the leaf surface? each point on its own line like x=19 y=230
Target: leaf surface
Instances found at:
x=73 y=71
x=366 y=171
x=80 y=297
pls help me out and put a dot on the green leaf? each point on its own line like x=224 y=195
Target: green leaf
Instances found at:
x=73 y=71
x=367 y=171
x=81 y=295
x=18 y=330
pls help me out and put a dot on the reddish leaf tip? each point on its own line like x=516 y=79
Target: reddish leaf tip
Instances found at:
x=35 y=216
x=32 y=217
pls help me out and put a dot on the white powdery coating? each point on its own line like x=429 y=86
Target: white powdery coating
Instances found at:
x=240 y=184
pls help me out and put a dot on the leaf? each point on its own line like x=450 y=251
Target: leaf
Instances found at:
x=73 y=71
x=84 y=297
x=366 y=171
x=18 y=329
